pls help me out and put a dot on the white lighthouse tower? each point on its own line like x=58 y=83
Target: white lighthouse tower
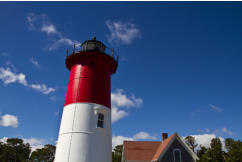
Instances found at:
x=85 y=131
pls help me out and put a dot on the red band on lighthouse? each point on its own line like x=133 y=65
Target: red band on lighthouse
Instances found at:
x=90 y=78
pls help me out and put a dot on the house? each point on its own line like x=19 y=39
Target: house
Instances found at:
x=170 y=149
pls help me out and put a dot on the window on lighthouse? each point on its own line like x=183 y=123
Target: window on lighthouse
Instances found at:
x=100 y=121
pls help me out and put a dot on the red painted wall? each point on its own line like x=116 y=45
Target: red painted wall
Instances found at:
x=90 y=78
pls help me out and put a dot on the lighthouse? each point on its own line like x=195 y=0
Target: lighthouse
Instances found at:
x=85 y=132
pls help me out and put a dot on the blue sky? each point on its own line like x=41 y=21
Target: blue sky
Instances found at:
x=180 y=66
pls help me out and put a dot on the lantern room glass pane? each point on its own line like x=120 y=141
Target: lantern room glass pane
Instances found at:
x=93 y=46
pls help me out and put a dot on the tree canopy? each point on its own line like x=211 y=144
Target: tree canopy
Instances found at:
x=232 y=152
x=117 y=153
x=15 y=150
x=190 y=141
x=46 y=154
x=234 y=148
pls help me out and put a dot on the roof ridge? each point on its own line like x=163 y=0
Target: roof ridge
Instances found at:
x=163 y=145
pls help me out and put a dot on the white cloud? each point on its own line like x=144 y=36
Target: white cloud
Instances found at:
x=49 y=29
x=222 y=131
x=215 y=108
x=117 y=140
x=206 y=130
x=118 y=114
x=30 y=19
x=34 y=62
x=42 y=23
x=143 y=135
x=10 y=64
x=37 y=21
x=205 y=139
x=60 y=42
x=4 y=139
x=7 y=76
x=42 y=88
x=35 y=143
x=225 y=130
x=9 y=121
x=122 y=32
x=120 y=100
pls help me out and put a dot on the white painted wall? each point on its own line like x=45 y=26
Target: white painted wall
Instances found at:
x=79 y=138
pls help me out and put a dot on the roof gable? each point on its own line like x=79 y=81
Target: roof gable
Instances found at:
x=166 y=145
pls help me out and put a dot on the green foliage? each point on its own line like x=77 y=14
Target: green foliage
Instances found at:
x=45 y=154
x=14 y=150
x=117 y=153
x=234 y=148
x=190 y=141
x=1 y=148
x=214 y=153
x=201 y=152
x=228 y=143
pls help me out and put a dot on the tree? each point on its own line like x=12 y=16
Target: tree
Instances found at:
x=234 y=148
x=214 y=153
x=1 y=148
x=117 y=153
x=201 y=153
x=46 y=154
x=14 y=150
x=228 y=143
x=190 y=141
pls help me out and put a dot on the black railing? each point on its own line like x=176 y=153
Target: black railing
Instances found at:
x=96 y=47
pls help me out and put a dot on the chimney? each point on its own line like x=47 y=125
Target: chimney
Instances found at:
x=164 y=136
